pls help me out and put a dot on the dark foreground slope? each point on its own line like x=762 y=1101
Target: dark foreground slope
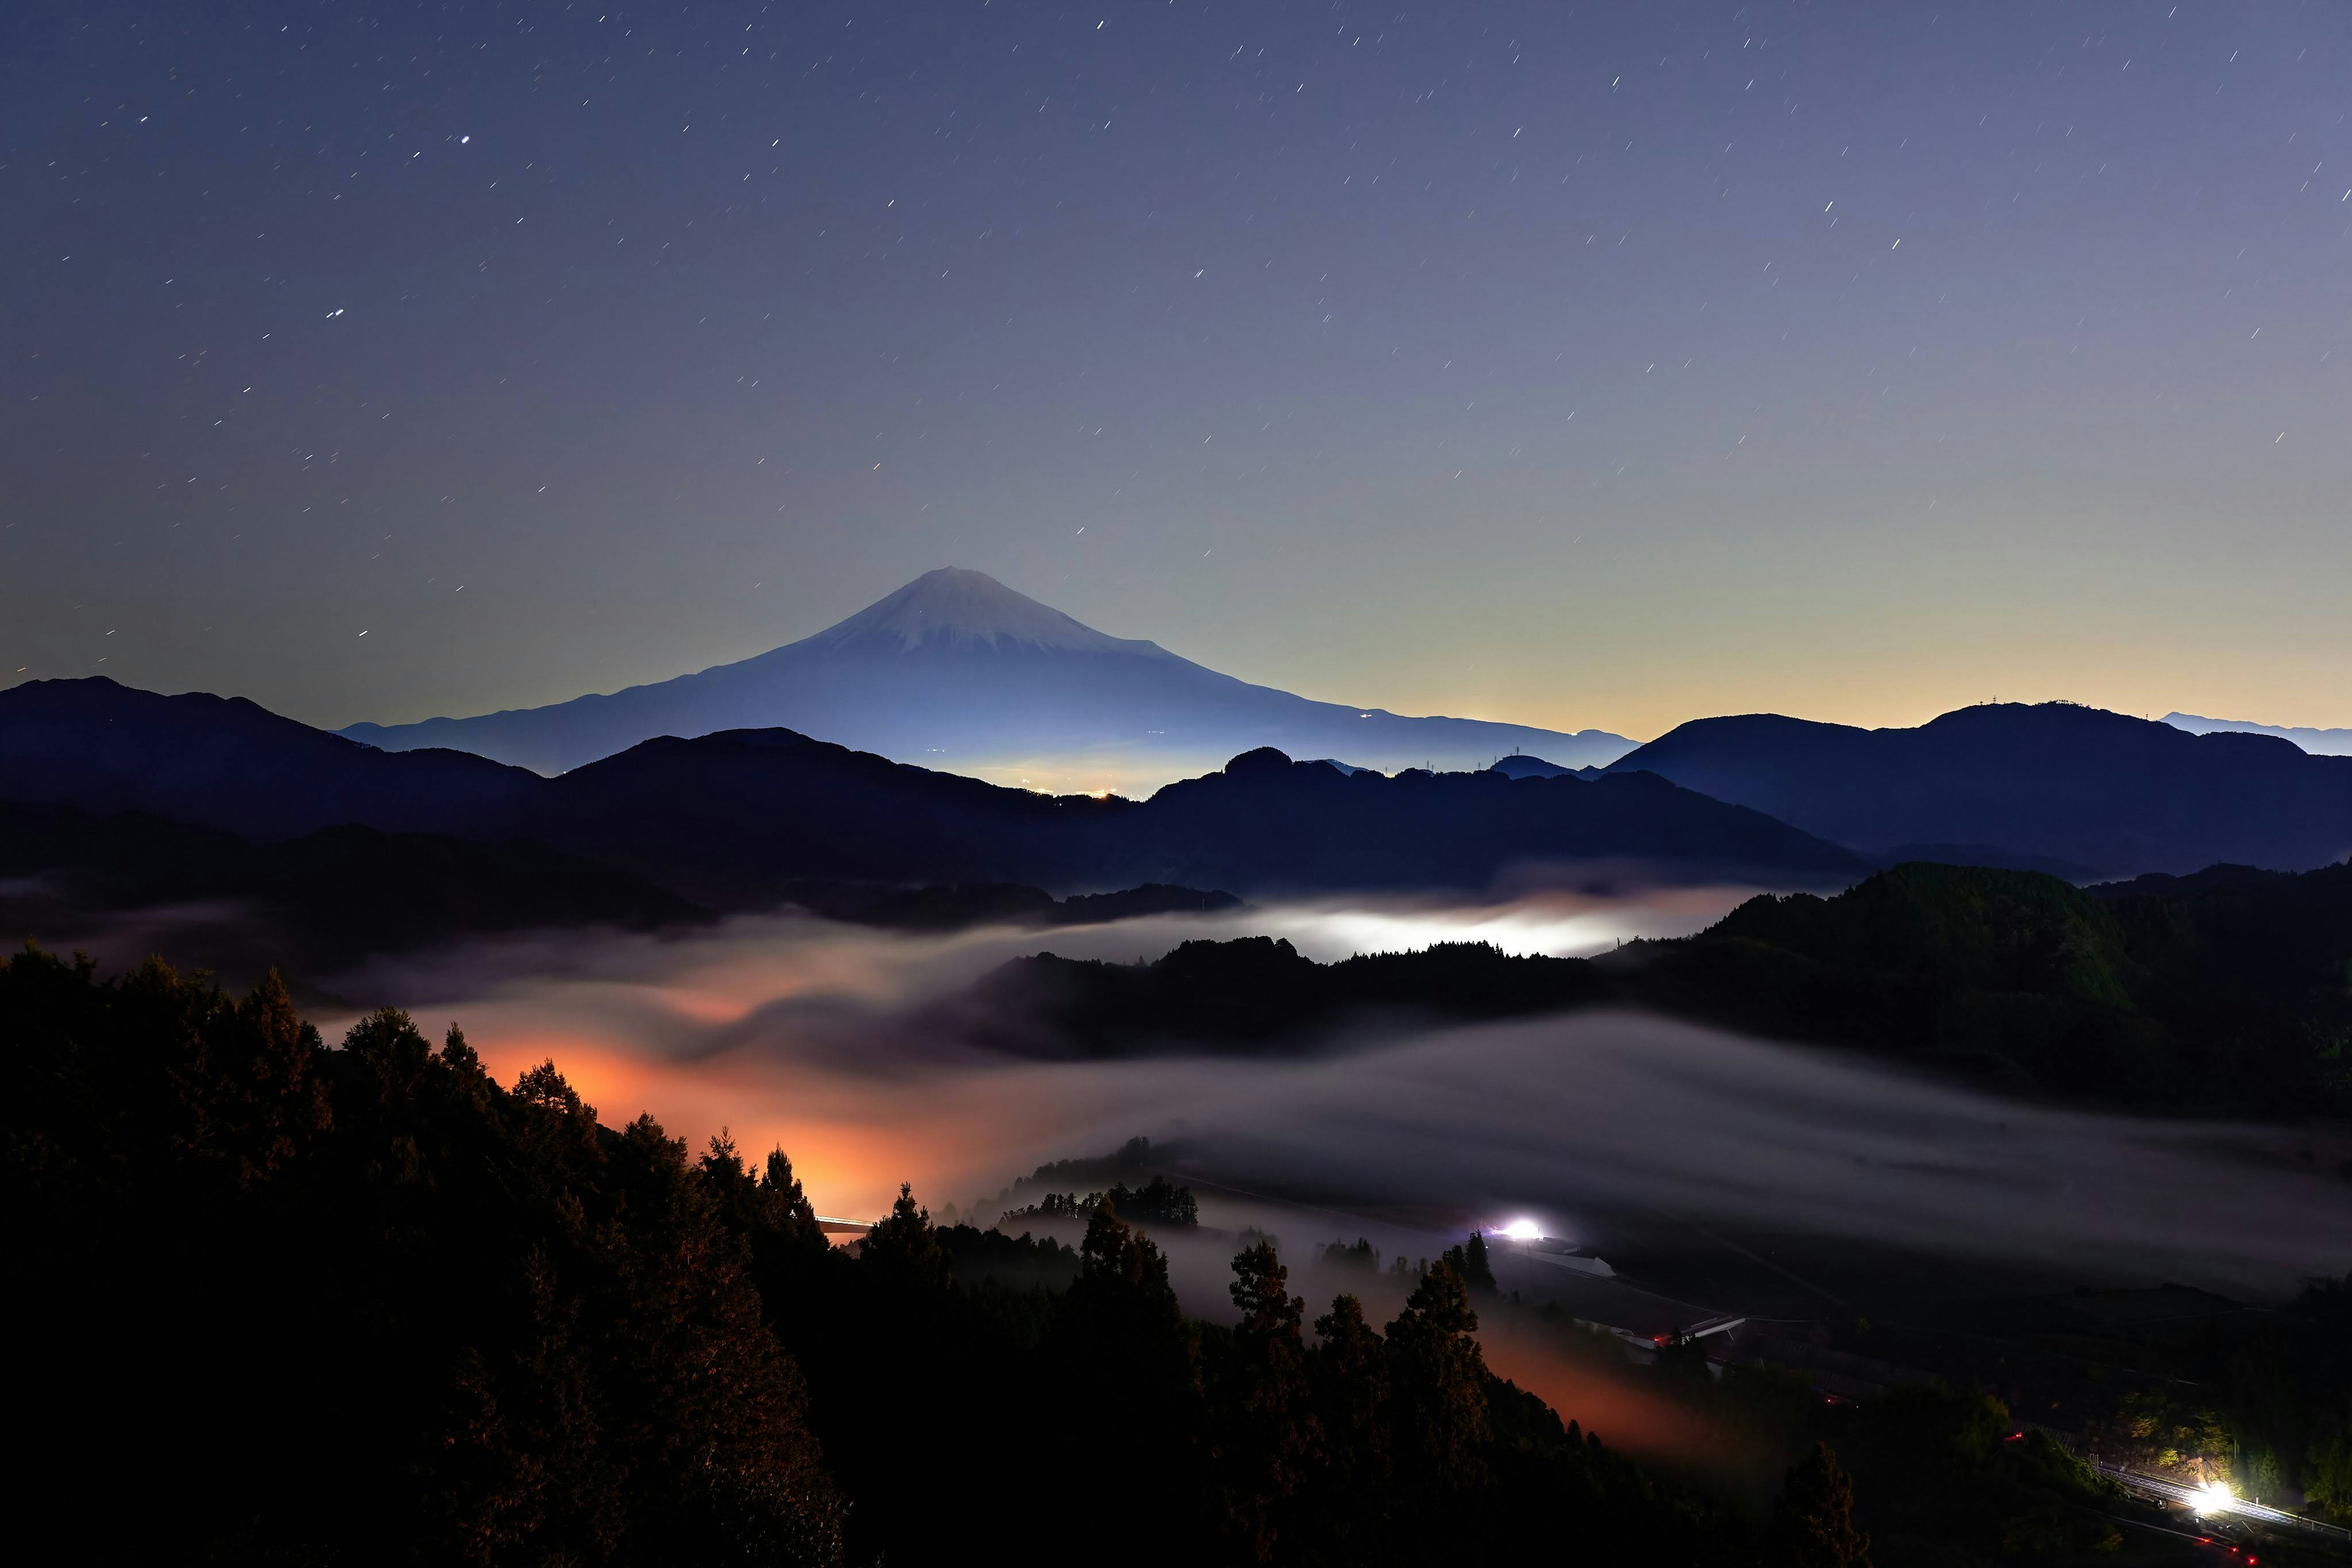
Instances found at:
x=733 y=820
x=2054 y=786
x=369 y=1306
x=2229 y=990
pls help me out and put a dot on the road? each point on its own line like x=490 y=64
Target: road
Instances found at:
x=2214 y=1503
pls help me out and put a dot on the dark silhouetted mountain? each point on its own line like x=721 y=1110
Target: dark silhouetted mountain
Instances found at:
x=1266 y=824
x=2227 y=991
x=317 y=902
x=225 y=763
x=329 y=897
x=955 y=906
x=1518 y=765
x=2318 y=742
x=322 y=903
x=1150 y=898
x=2048 y=783
x=736 y=819
x=1255 y=994
x=1989 y=854
x=956 y=670
x=731 y=819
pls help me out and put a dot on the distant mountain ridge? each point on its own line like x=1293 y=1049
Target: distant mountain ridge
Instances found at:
x=227 y=763
x=2047 y=785
x=2318 y=742
x=315 y=902
x=1518 y=765
x=956 y=670
x=736 y=819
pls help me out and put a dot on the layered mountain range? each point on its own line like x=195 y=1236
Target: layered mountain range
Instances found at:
x=956 y=670
x=2053 y=786
x=740 y=818
x=673 y=826
x=2319 y=742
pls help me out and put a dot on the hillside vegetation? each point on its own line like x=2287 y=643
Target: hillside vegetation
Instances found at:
x=2229 y=990
x=368 y=1305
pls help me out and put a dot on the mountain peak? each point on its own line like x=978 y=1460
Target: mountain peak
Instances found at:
x=955 y=607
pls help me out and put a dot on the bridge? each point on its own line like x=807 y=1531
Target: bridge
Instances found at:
x=833 y=1226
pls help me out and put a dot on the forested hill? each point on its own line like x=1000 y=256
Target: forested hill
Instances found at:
x=319 y=903
x=1254 y=995
x=369 y=1306
x=2229 y=991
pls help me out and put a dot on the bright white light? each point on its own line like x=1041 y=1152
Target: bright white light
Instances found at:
x=1523 y=1230
x=2214 y=1498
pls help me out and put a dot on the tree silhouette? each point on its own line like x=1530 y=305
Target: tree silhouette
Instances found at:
x=1470 y=1260
x=1438 y=1379
x=1268 y=1434
x=906 y=1245
x=541 y=1340
x=1812 y=1518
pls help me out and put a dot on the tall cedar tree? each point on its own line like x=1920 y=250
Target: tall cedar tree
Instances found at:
x=1438 y=1392
x=1268 y=1434
x=1812 y=1518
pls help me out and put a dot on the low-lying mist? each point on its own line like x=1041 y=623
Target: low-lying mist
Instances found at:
x=1631 y=1131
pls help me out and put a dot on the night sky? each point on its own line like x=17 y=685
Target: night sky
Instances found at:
x=1606 y=364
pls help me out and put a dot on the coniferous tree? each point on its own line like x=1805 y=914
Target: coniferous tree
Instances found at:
x=1133 y=1366
x=1438 y=1383
x=1812 y=1518
x=785 y=1189
x=906 y=1245
x=1476 y=1271
x=1469 y=1260
x=1349 y=1373
x=1268 y=1435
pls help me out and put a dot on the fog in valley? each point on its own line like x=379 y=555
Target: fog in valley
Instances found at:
x=1615 y=1129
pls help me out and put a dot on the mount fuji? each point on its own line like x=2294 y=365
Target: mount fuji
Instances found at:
x=957 y=671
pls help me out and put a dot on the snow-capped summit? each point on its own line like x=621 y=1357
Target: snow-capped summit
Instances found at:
x=955 y=670
x=957 y=608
